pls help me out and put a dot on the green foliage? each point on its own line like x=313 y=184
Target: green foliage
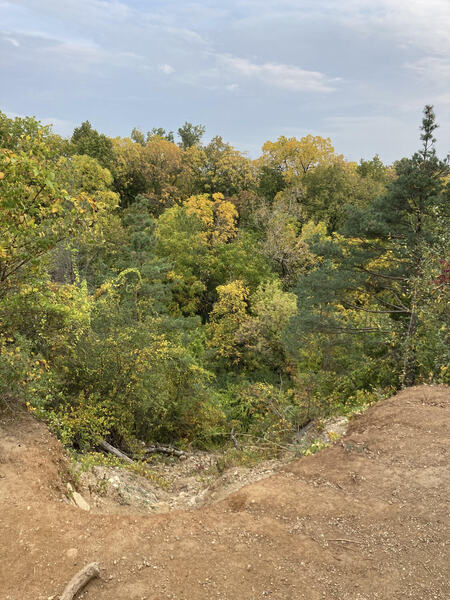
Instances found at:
x=36 y=212
x=160 y=132
x=217 y=168
x=182 y=293
x=270 y=182
x=85 y=462
x=86 y=140
x=151 y=170
x=372 y=298
x=329 y=189
x=190 y=135
x=16 y=370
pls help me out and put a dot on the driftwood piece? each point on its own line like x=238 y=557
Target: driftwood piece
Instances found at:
x=164 y=450
x=81 y=579
x=108 y=448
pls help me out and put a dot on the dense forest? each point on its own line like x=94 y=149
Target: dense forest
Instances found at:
x=161 y=289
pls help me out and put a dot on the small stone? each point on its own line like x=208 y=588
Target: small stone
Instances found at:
x=72 y=553
x=80 y=501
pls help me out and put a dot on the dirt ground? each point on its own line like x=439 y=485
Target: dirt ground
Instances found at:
x=364 y=519
x=197 y=479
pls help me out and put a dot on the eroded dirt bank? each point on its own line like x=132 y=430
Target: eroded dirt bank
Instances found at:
x=364 y=519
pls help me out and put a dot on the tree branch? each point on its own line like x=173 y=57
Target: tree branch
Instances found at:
x=80 y=580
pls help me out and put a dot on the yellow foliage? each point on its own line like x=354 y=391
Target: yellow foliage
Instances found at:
x=296 y=157
x=218 y=217
x=226 y=317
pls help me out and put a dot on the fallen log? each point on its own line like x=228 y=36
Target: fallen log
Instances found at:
x=165 y=450
x=108 y=448
x=81 y=579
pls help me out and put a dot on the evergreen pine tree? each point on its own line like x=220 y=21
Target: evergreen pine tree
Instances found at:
x=379 y=265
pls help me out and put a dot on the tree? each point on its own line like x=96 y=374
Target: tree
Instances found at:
x=191 y=237
x=328 y=189
x=285 y=246
x=270 y=182
x=190 y=135
x=162 y=166
x=294 y=158
x=260 y=335
x=83 y=175
x=217 y=168
x=375 y=277
x=151 y=170
x=137 y=136
x=160 y=132
x=129 y=175
x=36 y=211
x=218 y=217
x=86 y=140
x=227 y=316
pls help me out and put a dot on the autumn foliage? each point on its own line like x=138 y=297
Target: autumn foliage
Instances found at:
x=162 y=292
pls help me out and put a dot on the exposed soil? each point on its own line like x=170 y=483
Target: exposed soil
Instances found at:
x=190 y=482
x=364 y=519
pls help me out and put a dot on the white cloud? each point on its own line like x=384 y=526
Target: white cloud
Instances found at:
x=75 y=54
x=423 y=24
x=288 y=77
x=81 y=57
x=166 y=69
x=293 y=48
x=433 y=68
x=12 y=41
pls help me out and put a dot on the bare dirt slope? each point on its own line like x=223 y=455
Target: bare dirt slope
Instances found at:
x=364 y=519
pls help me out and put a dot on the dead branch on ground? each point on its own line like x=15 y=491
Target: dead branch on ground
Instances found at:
x=80 y=580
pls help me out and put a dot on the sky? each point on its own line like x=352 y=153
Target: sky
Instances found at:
x=357 y=71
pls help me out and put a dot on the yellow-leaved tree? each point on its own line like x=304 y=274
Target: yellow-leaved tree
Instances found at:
x=294 y=158
x=227 y=316
x=151 y=170
x=217 y=215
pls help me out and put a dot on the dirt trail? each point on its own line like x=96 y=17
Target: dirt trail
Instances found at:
x=364 y=519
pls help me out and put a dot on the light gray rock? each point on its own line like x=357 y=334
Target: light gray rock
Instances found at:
x=72 y=553
x=80 y=501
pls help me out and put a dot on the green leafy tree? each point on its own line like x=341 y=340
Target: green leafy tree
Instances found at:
x=86 y=254
x=217 y=168
x=270 y=182
x=376 y=277
x=36 y=212
x=162 y=133
x=137 y=136
x=328 y=189
x=190 y=135
x=86 y=140
x=151 y=170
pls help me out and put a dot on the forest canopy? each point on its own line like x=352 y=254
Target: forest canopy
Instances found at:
x=174 y=292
